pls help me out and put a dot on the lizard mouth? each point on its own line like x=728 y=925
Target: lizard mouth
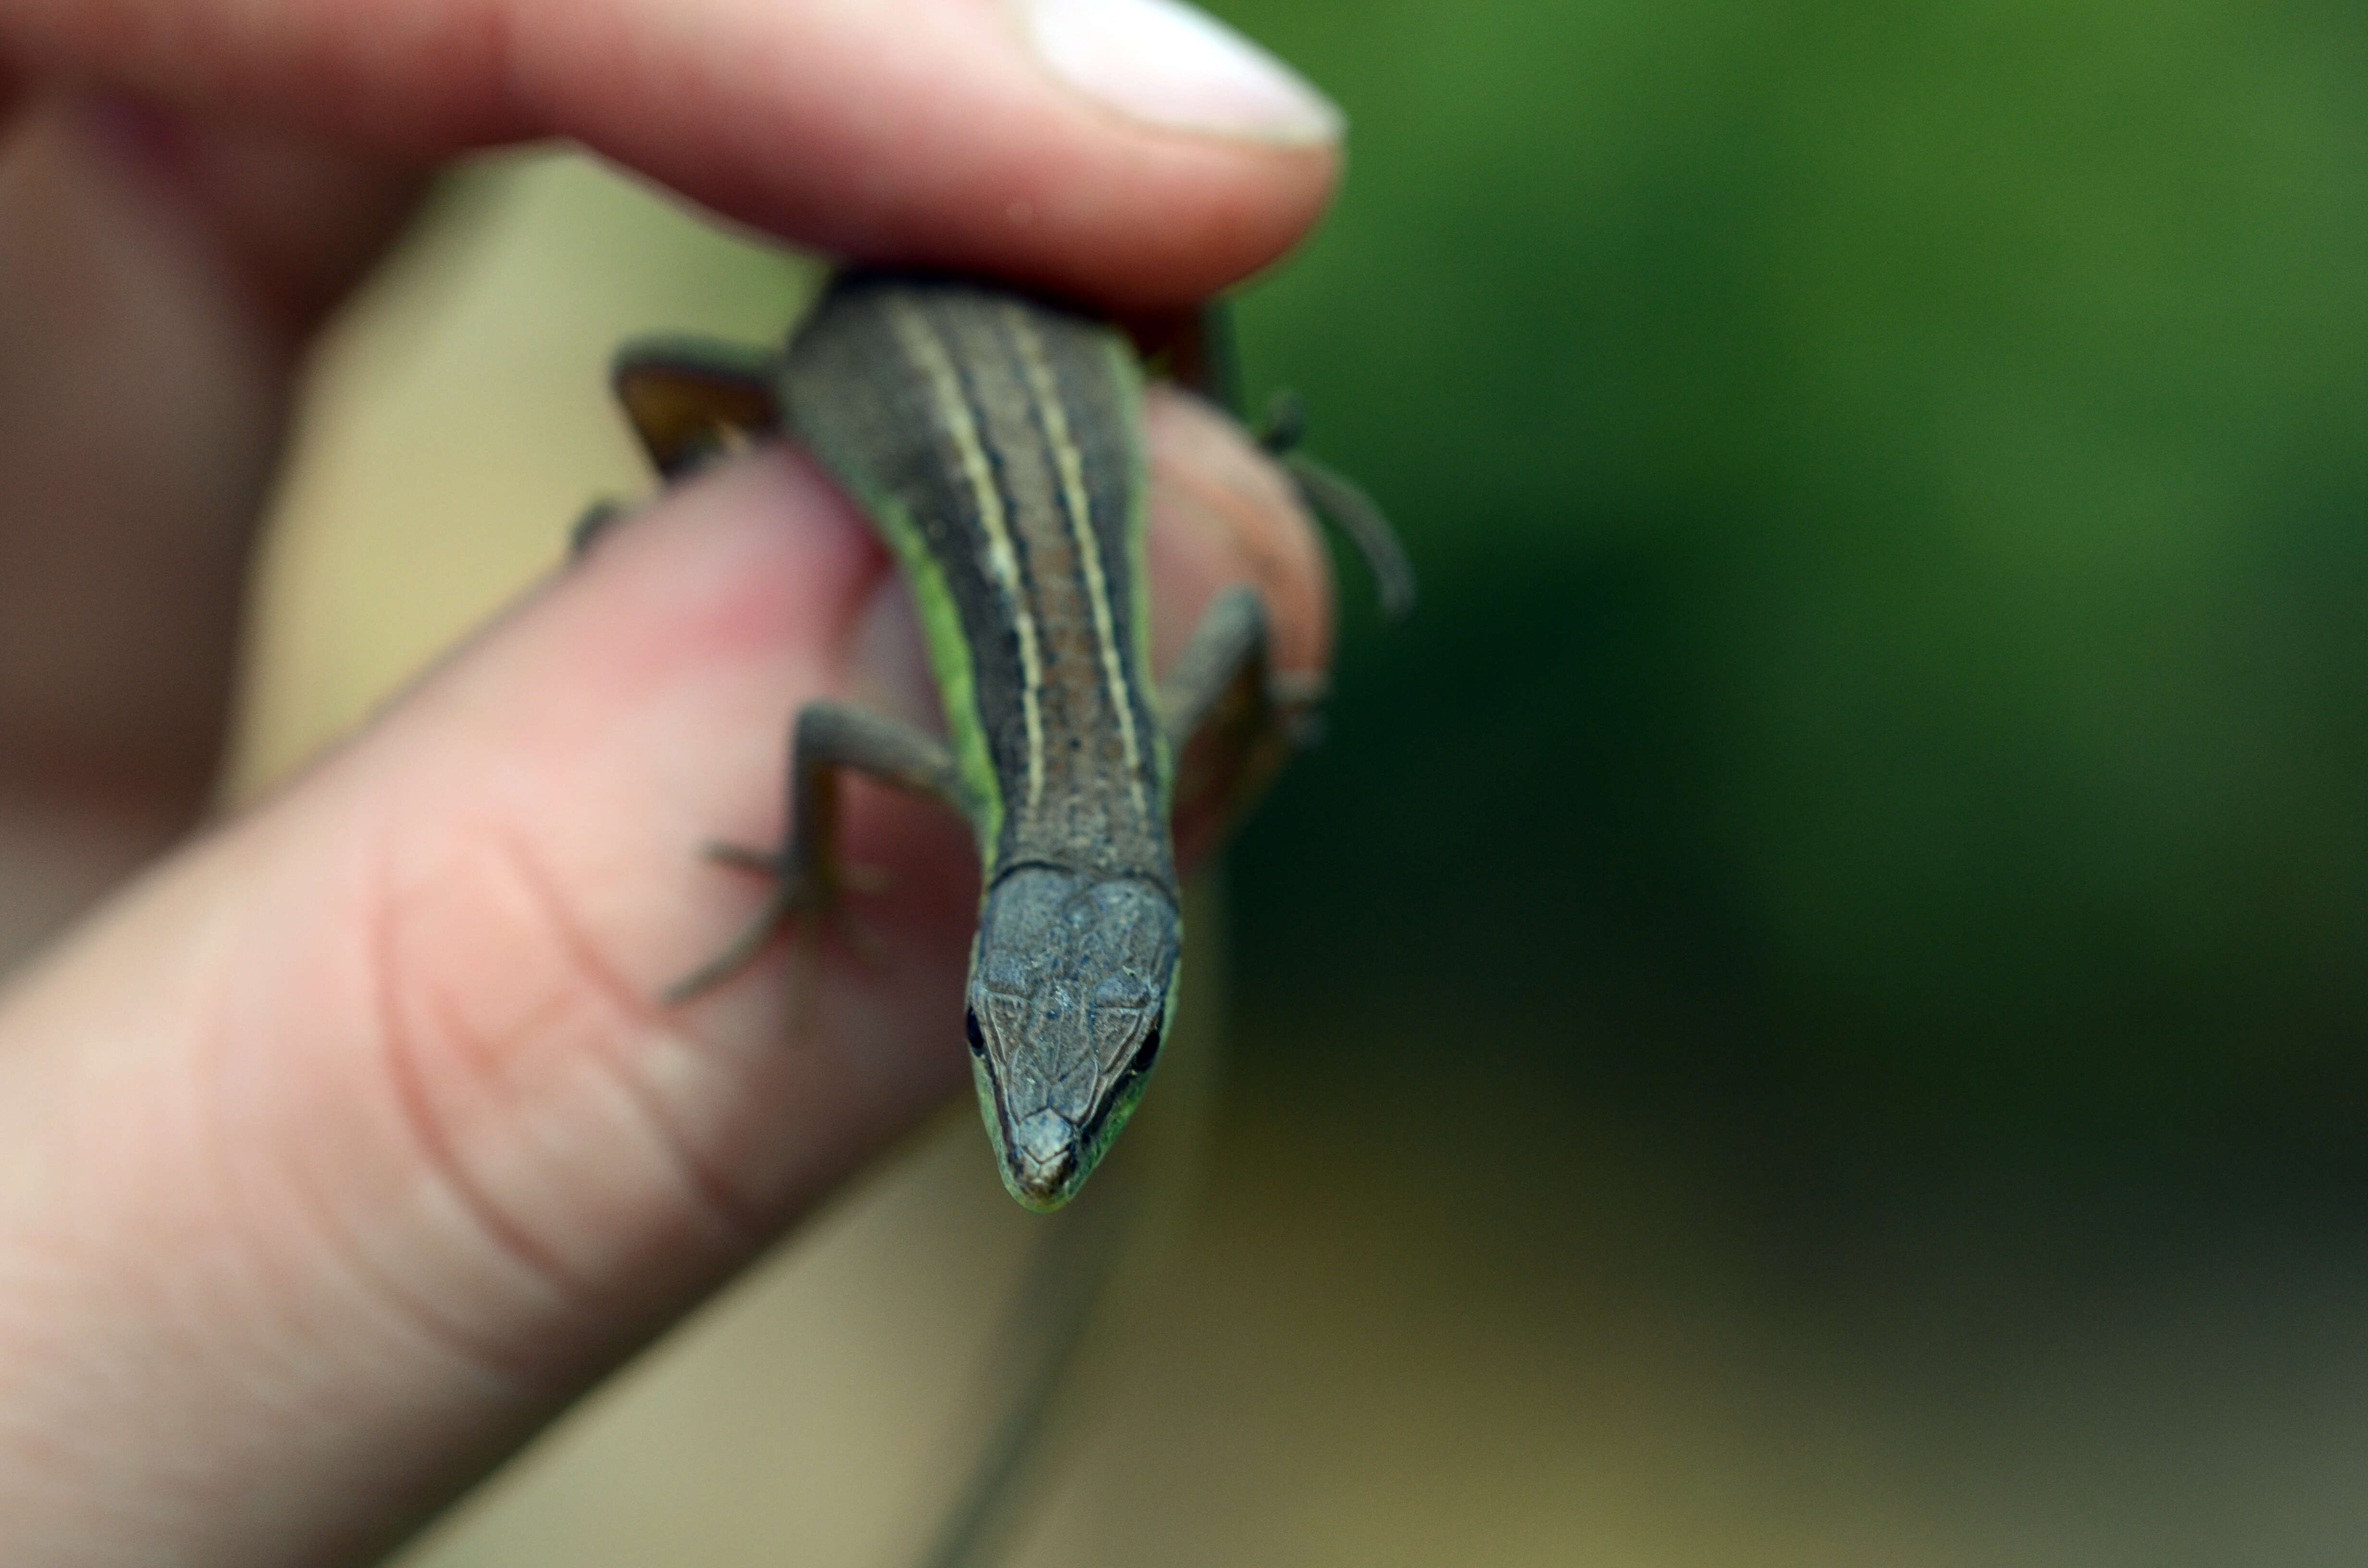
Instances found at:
x=1044 y=1157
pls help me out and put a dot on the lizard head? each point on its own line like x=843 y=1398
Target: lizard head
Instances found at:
x=1072 y=981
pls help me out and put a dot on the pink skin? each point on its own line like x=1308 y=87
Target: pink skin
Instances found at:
x=916 y=131
x=346 y=1145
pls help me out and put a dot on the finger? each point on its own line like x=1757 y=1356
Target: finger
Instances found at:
x=291 y=221
x=350 y=1144
x=1129 y=151
x=158 y=286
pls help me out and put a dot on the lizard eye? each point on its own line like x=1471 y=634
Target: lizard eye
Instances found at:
x=1145 y=1053
x=977 y=1036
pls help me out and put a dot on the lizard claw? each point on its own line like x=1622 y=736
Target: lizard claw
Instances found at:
x=799 y=892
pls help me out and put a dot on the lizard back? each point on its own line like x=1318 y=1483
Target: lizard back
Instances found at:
x=994 y=442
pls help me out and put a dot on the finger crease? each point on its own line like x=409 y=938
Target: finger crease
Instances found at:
x=399 y=1048
x=640 y=1017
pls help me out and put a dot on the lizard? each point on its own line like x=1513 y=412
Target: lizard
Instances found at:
x=994 y=441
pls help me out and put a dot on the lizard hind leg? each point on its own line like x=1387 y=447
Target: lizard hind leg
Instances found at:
x=807 y=875
x=1341 y=501
x=1197 y=350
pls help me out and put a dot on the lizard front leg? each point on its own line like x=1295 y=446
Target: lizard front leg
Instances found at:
x=1232 y=721
x=805 y=871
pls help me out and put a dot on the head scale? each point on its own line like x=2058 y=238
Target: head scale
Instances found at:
x=1071 y=984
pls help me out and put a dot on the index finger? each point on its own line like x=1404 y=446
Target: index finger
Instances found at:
x=1133 y=151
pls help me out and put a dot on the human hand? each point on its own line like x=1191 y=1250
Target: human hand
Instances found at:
x=348 y=1144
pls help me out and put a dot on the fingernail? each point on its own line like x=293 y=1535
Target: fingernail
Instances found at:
x=1173 y=65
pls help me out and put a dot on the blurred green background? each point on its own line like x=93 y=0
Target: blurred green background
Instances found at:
x=1891 y=490
x=1811 y=1006
x=1884 y=750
